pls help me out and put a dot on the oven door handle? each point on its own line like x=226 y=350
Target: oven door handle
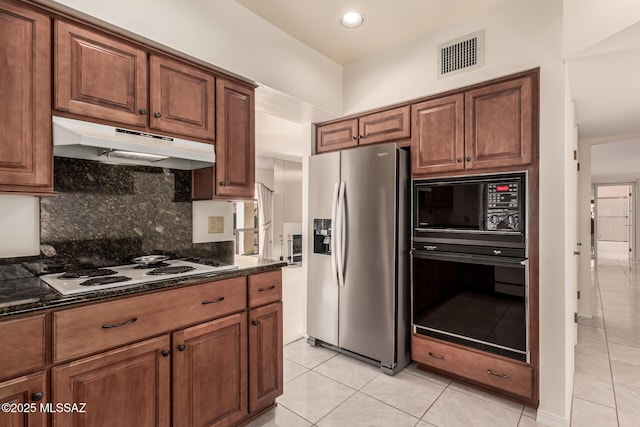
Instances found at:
x=471 y=258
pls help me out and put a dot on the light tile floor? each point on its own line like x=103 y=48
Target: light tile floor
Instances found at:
x=324 y=388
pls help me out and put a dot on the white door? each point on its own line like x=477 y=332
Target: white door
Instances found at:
x=613 y=221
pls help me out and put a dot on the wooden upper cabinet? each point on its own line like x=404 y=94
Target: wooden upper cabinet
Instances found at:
x=337 y=136
x=234 y=173
x=210 y=373
x=99 y=76
x=374 y=128
x=182 y=98
x=437 y=143
x=388 y=125
x=499 y=124
x=490 y=127
x=26 y=156
x=129 y=386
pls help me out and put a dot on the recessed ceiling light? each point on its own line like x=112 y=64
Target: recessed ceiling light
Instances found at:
x=352 y=20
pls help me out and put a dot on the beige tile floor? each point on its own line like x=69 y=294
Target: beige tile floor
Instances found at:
x=324 y=388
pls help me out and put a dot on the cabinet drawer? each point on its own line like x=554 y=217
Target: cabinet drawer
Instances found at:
x=502 y=374
x=22 y=346
x=265 y=288
x=97 y=327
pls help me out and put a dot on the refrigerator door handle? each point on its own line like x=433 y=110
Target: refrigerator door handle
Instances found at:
x=342 y=226
x=334 y=237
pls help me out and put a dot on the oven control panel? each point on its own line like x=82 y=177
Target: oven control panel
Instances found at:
x=503 y=206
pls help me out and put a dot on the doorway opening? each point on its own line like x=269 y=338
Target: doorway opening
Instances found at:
x=613 y=223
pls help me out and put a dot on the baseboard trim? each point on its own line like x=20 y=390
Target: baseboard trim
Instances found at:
x=551 y=420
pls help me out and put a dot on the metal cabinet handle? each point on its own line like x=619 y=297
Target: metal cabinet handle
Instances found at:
x=165 y=353
x=459 y=159
x=503 y=376
x=143 y=111
x=354 y=137
x=430 y=248
x=468 y=159
x=497 y=251
x=181 y=347
x=213 y=301
x=266 y=289
x=436 y=356
x=255 y=322
x=157 y=115
x=37 y=396
x=222 y=184
x=117 y=325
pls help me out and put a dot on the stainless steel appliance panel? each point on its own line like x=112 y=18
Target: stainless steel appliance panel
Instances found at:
x=322 y=290
x=367 y=324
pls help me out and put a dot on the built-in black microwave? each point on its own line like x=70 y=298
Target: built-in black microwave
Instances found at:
x=477 y=210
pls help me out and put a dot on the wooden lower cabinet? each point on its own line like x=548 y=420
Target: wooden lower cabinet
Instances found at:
x=265 y=355
x=29 y=389
x=223 y=370
x=129 y=386
x=210 y=373
x=495 y=372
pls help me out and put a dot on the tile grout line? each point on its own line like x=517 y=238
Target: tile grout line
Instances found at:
x=604 y=322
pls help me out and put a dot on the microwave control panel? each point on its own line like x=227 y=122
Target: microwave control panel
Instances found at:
x=503 y=206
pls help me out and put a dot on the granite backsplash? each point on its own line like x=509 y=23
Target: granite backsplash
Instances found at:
x=108 y=214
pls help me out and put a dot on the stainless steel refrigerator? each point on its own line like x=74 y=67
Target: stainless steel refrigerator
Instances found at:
x=358 y=286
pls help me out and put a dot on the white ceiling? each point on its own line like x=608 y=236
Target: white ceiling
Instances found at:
x=387 y=23
x=604 y=80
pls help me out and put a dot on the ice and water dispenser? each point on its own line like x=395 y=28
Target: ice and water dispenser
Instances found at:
x=322 y=236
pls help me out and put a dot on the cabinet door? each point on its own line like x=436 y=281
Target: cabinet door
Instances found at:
x=210 y=373
x=182 y=98
x=24 y=390
x=337 y=136
x=26 y=157
x=499 y=124
x=437 y=143
x=99 y=76
x=129 y=386
x=235 y=140
x=265 y=356
x=389 y=125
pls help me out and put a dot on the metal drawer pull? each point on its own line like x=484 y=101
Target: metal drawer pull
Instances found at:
x=117 y=325
x=213 y=302
x=436 y=356
x=497 y=375
x=266 y=289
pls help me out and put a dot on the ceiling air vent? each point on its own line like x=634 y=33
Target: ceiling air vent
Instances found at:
x=461 y=54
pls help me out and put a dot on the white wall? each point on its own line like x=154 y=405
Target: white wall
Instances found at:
x=227 y=35
x=587 y=22
x=518 y=36
x=19 y=226
x=287 y=204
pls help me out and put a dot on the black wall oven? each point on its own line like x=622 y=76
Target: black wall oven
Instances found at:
x=469 y=269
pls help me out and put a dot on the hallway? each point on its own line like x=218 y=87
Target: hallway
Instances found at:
x=607 y=379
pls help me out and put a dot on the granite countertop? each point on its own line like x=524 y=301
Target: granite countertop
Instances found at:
x=22 y=292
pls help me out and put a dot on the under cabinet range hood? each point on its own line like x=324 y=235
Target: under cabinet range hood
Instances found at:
x=90 y=141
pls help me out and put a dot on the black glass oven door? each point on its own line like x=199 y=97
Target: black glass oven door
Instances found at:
x=473 y=300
